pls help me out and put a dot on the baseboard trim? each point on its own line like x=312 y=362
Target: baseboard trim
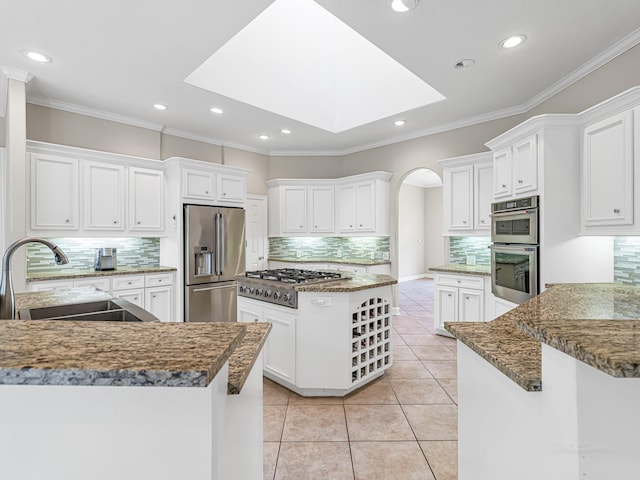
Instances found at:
x=415 y=277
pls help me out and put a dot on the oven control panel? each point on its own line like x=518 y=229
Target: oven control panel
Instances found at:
x=285 y=296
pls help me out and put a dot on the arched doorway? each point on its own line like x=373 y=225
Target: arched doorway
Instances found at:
x=420 y=241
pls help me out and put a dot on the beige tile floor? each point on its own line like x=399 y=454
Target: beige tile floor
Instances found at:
x=403 y=426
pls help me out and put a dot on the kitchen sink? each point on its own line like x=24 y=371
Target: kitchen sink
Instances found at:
x=115 y=310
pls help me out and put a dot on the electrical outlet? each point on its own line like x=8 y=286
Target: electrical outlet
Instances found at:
x=298 y=254
x=373 y=255
x=339 y=253
x=471 y=259
x=386 y=256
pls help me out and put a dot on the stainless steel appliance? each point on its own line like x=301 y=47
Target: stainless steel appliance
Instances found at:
x=105 y=259
x=214 y=241
x=278 y=286
x=515 y=249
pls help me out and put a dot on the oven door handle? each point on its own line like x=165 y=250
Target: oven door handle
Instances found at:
x=514 y=248
x=515 y=213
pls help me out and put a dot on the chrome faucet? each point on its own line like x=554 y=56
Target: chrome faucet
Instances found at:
x=7 y=301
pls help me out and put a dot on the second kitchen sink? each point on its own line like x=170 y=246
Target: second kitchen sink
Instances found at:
x=116 y=309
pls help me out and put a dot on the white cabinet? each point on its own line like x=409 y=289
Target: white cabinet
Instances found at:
x=104 y=196
x=197 y=184
x=467 y=194
x=135 y=296
x=607 y=172
x=355 y=205
x=458 y=298
x=321 y=209
x=280 y=347
x=159 y=301
x=54 y=193
x=210 y=185
x=146 y=200
x=515 y=168
x=231 y=188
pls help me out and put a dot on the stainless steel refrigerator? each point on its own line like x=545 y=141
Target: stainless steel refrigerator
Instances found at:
x=214 y=243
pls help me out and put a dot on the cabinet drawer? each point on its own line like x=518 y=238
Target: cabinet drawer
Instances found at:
x=158 y=280
x=464 y=281
x=128 y=282
x=101 y=283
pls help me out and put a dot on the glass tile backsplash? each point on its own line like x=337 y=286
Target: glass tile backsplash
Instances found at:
x=626 y=260
x=361 y=248
x=463 y=250
x=132 y=252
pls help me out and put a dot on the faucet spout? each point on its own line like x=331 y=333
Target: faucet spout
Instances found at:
x=7 y=300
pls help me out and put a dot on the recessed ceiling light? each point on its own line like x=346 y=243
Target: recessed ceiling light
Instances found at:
x=465 y=63
x=159 y=106
x=286 y=131
x=216 y=110
x=404 y=5
x=399 y=123
x=37 y=56
x=512 y=41
x=264 y=136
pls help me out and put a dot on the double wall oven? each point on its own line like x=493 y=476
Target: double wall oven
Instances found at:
x=515 y=249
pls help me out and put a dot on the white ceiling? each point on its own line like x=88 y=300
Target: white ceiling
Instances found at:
x=116 y=59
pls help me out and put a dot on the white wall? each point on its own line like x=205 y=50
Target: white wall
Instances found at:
x=411 y=231
x=434 y=242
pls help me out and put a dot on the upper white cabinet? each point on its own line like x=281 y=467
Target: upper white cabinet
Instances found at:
x=467 y=194
x=54 y=193
x=104 y=196
x=607 y=172
x=146 y=199
x=515 y=168
x=319 y=207
x=231 y=188
x=198 y=184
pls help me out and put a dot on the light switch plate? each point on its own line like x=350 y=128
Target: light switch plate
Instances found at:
x=386 y=256
x=471 y=259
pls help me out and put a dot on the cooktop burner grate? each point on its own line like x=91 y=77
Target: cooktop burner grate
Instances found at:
x=294 y=275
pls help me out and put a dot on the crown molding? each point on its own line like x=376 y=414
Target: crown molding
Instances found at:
x=212 y=141
x=16 y=74
x=94 y=112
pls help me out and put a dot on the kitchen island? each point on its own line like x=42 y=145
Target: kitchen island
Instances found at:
x=551 y=388
x=335 y=341
x=106 y=400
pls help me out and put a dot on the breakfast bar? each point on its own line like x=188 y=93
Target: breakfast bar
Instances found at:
x=551 y=388
x=105 y=399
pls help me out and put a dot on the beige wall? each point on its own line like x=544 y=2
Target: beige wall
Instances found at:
x=172 y=146
x=256 y=162
x=305 y=167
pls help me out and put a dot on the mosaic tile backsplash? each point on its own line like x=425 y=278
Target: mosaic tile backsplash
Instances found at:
x=132 y=252
x=460 y=248
x=361 y=248
x=626 y=260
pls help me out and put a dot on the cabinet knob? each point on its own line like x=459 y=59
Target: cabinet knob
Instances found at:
x=466 y=298
x=504 y=186
x=67 y=220
x=153 y=296
x=616 y=210
x=207 y=192
x=350 y=226
x=255 y=320
x=464 y=221
x=300 y=226
x=224 y=194
x=448 y=294
x=115 y=222
x=519 y=181
x=315 y=226
x=458 y=281
x=138 y=222
x=135 y=298
x=360 y=224
x=481 y=221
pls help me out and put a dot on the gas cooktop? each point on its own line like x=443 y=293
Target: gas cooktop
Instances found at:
x=294 y=275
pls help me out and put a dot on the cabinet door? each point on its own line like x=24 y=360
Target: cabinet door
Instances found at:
x=134 y=296
x=231 y=188
x=249 y=315
x=294 y=209
x=146 y=199
x=159 y=301
x=321 y=209
x=366 y=207
x=502 y=173
x=54 y=193
x=446 y=305
x=458 y=195
x=607 y=172
x=346 y=208
x=280 y=352
x=197 y=184
x=471 y=305
x=483 y=195
x=46 y=286
x=525 y=165
x=104 y=196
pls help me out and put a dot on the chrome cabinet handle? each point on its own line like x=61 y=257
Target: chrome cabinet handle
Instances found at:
x=616 y=210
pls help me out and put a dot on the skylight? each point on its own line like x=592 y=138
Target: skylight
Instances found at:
x=297 y=60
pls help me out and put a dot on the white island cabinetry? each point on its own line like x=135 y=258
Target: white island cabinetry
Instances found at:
x=460 y=298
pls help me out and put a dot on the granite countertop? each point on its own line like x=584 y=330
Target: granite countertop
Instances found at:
x=598 y=324
x=60 y=273
x=484 y=270
x=115 y=353
x=355 y=282
x=340 y=261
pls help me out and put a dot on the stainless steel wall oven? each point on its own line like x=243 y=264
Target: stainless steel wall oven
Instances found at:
x=515 y=249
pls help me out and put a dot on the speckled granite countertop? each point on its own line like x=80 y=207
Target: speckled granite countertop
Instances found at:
x=599 y=324
x=115 y=353
x=484 y=270
x=339 y=261
x=357 y=281
x=60 y=274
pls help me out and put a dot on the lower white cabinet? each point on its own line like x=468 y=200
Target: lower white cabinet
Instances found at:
x=458 y=298
x=154 y=292
x=280 y=347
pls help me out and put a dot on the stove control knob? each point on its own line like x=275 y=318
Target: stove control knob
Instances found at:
x=258 y=291
x=277 y=295
x=267 y=293
x=287 y=297
x=250 y=290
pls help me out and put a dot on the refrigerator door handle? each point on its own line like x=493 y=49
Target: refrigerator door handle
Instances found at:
x=216 y=239
x=223 y=241
x=206 y=289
